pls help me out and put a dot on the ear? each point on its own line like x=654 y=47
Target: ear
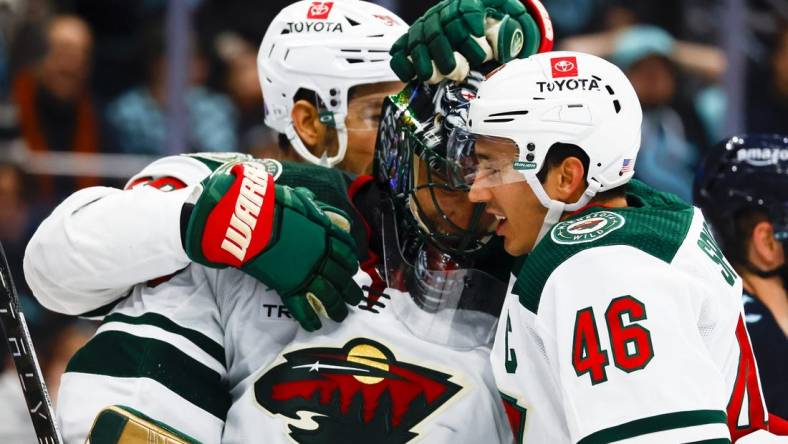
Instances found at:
x=764 y=248
x=306 y=120
x=566 y=182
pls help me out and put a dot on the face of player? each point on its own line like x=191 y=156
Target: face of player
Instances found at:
x=507 y=197
x=447 y=210
x=362 y=124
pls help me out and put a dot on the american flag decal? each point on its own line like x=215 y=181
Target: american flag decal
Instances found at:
x=628 y=165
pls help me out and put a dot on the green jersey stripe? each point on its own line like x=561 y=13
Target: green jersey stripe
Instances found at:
x=207 y=344
x=122 y=355
x=656 y=423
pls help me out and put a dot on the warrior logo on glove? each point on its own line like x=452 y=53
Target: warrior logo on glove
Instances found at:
x=356 y=393
x=281 y=236
x=243 y=221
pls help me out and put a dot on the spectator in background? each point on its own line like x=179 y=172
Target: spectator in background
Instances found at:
x=136 y=119
x=55 y=110
x=668 y=77
x=240 y=59
x=767 y=101
x=672 y=132
x=17 y=222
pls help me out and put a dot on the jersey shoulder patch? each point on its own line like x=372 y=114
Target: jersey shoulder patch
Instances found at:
x=588 y=228
x=656 y=224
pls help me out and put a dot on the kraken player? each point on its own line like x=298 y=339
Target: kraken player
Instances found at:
x=624 y=322
x=176 y=346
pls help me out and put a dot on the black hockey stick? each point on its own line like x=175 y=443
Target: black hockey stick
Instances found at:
x=20 y=345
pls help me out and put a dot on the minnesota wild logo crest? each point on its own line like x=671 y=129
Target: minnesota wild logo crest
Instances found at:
x=357 y=393
x=587 y=228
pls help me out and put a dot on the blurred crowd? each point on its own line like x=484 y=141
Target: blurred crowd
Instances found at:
x=90 y=77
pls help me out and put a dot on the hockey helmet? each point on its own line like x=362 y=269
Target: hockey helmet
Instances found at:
x=411 y=163
x=747 y=172
x=529 y=105
x=325 y=47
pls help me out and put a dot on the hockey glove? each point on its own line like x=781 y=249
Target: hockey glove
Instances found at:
x=278 y=235
x=456 y=36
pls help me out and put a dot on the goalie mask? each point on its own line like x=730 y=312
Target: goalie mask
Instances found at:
x=434 y=238
x=411 y=163
x=740 y=174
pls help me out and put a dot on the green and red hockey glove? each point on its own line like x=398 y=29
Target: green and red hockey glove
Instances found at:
x=456 y=36
x=280 y=236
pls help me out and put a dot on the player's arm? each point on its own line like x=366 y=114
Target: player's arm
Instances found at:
x=620 y=328
x=101 y=241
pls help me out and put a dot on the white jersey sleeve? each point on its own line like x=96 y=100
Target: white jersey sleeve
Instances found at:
x=101 y=241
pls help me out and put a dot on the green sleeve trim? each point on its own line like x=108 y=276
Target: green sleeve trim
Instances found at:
x=658 y=423
x=122 y=355
x=205 y=343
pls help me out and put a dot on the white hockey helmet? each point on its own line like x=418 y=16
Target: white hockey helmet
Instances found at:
x=528 y=105
x=326 y=47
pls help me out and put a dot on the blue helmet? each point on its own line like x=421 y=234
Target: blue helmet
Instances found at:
x=748 y=172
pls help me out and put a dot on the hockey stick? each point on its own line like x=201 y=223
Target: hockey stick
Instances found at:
x=20 y=345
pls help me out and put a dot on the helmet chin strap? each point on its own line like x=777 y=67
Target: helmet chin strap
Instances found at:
x=323 y=160
x=556 y=208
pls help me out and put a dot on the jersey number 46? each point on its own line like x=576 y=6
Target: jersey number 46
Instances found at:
x=631 y=343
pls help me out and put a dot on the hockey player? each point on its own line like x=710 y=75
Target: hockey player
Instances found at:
x=324 y=65
x=165 y=330
x=624 y=322
x=413 y=362
x=383 y=374
x=742 y=188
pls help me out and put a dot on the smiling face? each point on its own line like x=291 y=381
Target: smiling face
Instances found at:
x=506 y=194
x=519 y=212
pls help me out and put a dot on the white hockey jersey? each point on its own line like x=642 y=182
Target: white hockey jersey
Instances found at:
x=204 y=346
x=161 y=349
x=624 y=325
x=372 y=378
